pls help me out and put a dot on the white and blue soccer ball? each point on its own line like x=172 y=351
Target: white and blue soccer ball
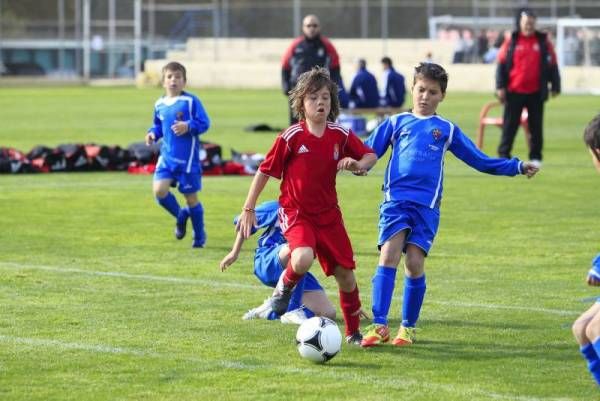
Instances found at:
x=318 y=339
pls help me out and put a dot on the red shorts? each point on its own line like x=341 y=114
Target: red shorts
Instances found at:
x=324 y=233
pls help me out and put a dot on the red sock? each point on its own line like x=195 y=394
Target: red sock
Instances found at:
x=290 y=278
x=350 y=303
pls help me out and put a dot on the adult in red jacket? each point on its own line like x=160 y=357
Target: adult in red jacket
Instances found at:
x=307 y=51
x=526 y=67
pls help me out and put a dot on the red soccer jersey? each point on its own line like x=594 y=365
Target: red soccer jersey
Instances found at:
x=525 y=74
x=307 y=165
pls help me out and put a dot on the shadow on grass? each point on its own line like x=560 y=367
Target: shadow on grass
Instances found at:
x=476 y=341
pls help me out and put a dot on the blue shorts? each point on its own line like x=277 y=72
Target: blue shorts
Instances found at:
x=268 y=268
x=187 y=182
x=421 y=222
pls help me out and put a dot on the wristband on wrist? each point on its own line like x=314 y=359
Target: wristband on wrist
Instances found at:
x=248 y=209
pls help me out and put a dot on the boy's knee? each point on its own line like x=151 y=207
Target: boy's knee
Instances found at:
x=191 y=199
x=592 y=331
x=414 y=261
x=302 y=259
x=579 y=331
x=345 y=278
x=160 y=192
x=390 y=260
x=160 y=188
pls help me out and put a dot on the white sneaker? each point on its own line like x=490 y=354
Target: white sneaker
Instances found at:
x=260 y=312
x=296 y=316
x=536 y=163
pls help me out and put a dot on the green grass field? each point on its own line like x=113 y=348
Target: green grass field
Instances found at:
x=99 y=302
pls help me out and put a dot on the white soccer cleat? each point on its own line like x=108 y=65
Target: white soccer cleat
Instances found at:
x=260 y=312
x=296 y=316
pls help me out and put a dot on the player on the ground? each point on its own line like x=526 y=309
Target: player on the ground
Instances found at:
x=179 y=119
x=270 y=258
x=412 y=187
x=587 y=327
x=306 y=157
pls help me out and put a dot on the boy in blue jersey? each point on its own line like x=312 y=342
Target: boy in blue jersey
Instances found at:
x=270 y=258
x=586 y=328
x=179 y=119
x=409 y=214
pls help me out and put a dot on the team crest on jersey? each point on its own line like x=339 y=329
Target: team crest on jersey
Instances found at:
x=179 y=116
x=437 y=133
x=336 y=151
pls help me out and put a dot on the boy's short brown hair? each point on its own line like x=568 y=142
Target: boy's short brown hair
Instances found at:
x=173 y=66
x=310 y=82
x=591 y=136
x=432 y=71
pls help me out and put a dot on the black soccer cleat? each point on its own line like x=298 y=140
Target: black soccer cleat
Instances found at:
x=181 y=225
x=354 y=339
x=281 y=300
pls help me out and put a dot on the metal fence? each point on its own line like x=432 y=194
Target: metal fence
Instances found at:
x=110 y=38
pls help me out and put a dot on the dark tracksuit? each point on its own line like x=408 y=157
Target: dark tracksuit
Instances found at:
x=304 y=54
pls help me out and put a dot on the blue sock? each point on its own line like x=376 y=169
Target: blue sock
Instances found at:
x=590 y=353
x=383 y=282
x=308 y=312
x=183 y=215
x=197 y=215
x=414 y=292
x=169 y=202
x=296 y=300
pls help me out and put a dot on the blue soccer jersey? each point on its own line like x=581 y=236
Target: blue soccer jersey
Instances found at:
x=267 y=266
x=266 y=217
x=180 y=152
x=415 y=170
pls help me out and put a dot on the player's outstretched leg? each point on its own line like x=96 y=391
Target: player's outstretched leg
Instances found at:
x=197 y=215
x=181 y=225
x=169 y=202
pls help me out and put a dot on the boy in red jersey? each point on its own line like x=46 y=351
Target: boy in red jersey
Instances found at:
x=306 y=157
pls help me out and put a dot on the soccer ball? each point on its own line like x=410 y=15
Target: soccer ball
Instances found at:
x=318 y=339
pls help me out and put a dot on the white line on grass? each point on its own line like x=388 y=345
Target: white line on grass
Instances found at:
x=144 y=277
x=215 y=283
x=333 y=373
x=511 y=307
x=100 y=349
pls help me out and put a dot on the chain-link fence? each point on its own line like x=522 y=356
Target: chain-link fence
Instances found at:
x=98 y=38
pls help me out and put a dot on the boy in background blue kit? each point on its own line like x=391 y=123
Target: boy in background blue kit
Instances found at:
x=179 y=119
x=409 y=214
x=270 y=258
x=586 y=328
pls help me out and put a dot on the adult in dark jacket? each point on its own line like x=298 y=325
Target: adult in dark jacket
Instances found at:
x=526 y=67
x=393 y=90
x=305 y=52
x=364 y=92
